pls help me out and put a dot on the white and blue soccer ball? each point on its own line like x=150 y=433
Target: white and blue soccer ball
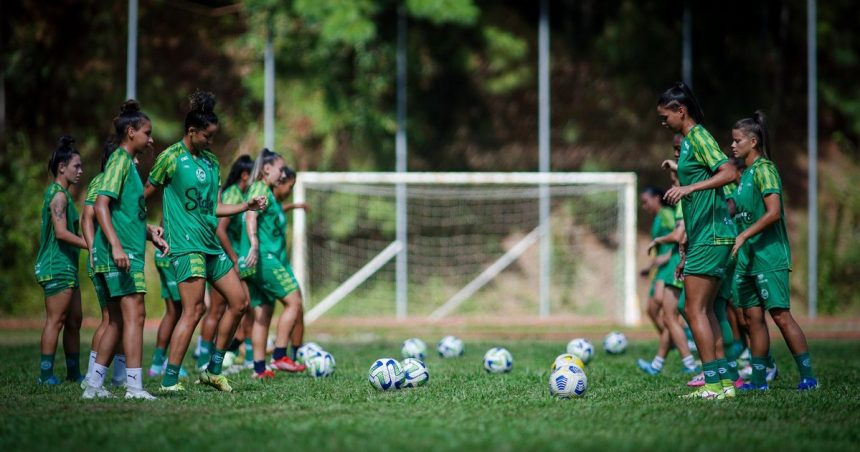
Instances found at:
x=306 y=351
x=386 y=374
x=568 y=381
x=498 y=360
x=567 y=359
x=581 y=348
x=414 y=348
x=615 y=343
x=414 y=373
x=321 y=364
x=450 y=346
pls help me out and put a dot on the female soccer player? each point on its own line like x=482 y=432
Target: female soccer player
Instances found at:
x=57 y=265
x=190 y=175
x=763 y=254
x=702 y=171
x=267 y=271
x=119 y=252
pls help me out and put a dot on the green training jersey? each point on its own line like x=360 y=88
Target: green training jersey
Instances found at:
x=56 y=259
x=161 y=261
x=706 y=215
x=190 y=197
x=271 y=225
x=679 y=212
x=768 y=250
x=92 y=194
x=121 y=183
x=663 y=224
x=233 y=195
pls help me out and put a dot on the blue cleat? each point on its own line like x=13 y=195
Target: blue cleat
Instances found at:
x=691 y=370
x=807 y=384
x=50 y=381
x=746 y=387
x=646 y=367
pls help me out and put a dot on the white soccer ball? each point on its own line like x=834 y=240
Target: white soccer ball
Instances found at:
x=581 y=348
x=321 y=364
x=567 y=359
x=450 y=346
x=414 y=373
x=306 y=351
x=615 y=343
x=568 y=381
x=414 y=348
x=386 y=374
x=498 y=360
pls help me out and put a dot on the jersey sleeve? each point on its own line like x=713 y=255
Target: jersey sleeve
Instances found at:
x=115 y=173
x=257 y=189
x=767 y=179
x=706 y=151
x=93 y=190
x=667 y=218
x=729 y=190
x=231 y=195
x=164 y=168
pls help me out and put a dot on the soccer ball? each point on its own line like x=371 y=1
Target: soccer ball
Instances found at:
x=413 y=348
x=450 y=346
x=498 y=360
x=414 y=373
x=567 y=359
x=615 y=343
x=581 y=349
x=386 y=374
x=568 y=381
x=321 y=364
x=306 y=351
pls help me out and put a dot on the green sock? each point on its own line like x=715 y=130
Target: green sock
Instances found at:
x=804 y=365
x=158 y=358
x=73 y=366
x=46 y=366
x=215 y=362
x=205 y=350
x=711 y=371
x=249 y=351
x=171 y=376
x=759 y=370
x=722 y=369
x=733 y=370
x=770 y=361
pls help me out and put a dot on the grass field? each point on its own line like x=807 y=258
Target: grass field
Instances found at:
x=462 y=407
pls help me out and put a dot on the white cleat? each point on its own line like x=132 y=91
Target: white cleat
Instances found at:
x=139 y=394
x=92 y=392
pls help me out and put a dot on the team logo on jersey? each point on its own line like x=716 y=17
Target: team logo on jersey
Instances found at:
x=201 y=175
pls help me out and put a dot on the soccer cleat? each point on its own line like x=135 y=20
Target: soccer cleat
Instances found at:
x=807 y=383
x=697 y=381
x=745 y=357
x=139 y=394
x=50 y=381
x=175 y=388
x=738 y=383
x=265 y=375
x=155 y=370
x=708 y=391
x=772 y=373
x=229 y=359
x=287 y=365
x=646 y=367
x=92 y=392
x=119 y=383
x=84 y=384
x=691 y=370
x=248 y=365
x=747 y=387
x=218 y=382
x=745 y=372
x=728 y=389
x=203 y=367
x=182 y=372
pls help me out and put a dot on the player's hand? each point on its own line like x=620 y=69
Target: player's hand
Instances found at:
x=303 y=206
x=156 y=231
x=739 y=242
x=679 y=270
x=651 y=246
x=669 y=165
x=675 y=194
x=120 y=259
x=161 y=244
x=251 y=258
x=257 y=203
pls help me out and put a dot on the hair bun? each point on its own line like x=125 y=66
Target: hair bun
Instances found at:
x=129 y=106
x=202 y=101
x=759 y=117
x=66 y=141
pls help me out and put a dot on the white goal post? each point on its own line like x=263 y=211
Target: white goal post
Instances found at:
x=441 y=194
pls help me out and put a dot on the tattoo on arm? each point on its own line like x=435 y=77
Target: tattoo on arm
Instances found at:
x=58 y=207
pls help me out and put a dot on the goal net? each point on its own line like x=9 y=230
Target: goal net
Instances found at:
x=468 y=244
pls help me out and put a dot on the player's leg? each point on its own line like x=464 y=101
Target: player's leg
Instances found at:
x=191 y=292
x=105 y=353
x=676 y=330
x=759 y=342
x=209 y=327
x=297 y=337
x=230 y=287
x=774 y=289
x=56 y=309
x=133 y=318
x=260 y=331
x=700 y=293
x=72 y=337
x=728 y=375
x=162 y=338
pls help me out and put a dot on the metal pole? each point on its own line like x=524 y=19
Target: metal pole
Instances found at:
x=400 y=144
x=131 y=53
x=544 y=160
x=269 y=88
x=812 y=144
x=687 y=46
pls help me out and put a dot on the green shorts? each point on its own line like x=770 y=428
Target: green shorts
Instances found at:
x=707 y=260
x=256 y=298
x=123 y=283
x=54 y=286
x=212 y=267
x=272 y=279
x=727 y=285
x=769 y=290
x=169 y=287
x=101 y=290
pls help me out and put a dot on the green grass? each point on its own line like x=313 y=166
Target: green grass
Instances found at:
x=461 y=408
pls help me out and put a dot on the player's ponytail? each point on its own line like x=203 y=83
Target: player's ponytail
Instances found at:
x=756 y=127
x=202 y=112
x=266 y=157
x=62 y=154
x=244 y=164
x=681 y=95
x=107 y=149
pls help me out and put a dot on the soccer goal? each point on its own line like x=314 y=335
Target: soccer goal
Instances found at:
x=438 y=244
